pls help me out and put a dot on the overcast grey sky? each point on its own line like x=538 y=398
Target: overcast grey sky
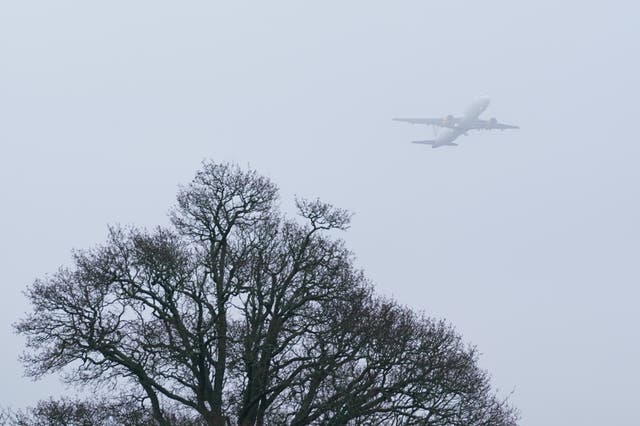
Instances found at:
x=527 y=241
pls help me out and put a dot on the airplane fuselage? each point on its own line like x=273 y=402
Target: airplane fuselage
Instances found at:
x=470 y=116
x=472 y=113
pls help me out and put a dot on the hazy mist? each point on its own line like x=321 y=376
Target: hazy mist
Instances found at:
x=526 y=240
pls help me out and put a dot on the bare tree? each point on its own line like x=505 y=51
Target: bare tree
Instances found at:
x=91 y=412
x=241 y=315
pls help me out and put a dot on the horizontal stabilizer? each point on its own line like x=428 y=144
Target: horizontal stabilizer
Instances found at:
x=435 y=144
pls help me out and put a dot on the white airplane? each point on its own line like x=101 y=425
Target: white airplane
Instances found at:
x=456 y=126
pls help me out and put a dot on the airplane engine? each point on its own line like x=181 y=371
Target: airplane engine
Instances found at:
x=449 y=120
x=493 y=121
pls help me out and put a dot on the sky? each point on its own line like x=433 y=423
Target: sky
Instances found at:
x=527 y=241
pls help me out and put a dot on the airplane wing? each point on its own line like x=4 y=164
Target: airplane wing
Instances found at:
x=492 y=124
x=448 y=121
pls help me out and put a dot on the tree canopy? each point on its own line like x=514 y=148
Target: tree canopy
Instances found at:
x=238 y=314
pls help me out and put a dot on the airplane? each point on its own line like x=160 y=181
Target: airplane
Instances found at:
x=456 y=126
